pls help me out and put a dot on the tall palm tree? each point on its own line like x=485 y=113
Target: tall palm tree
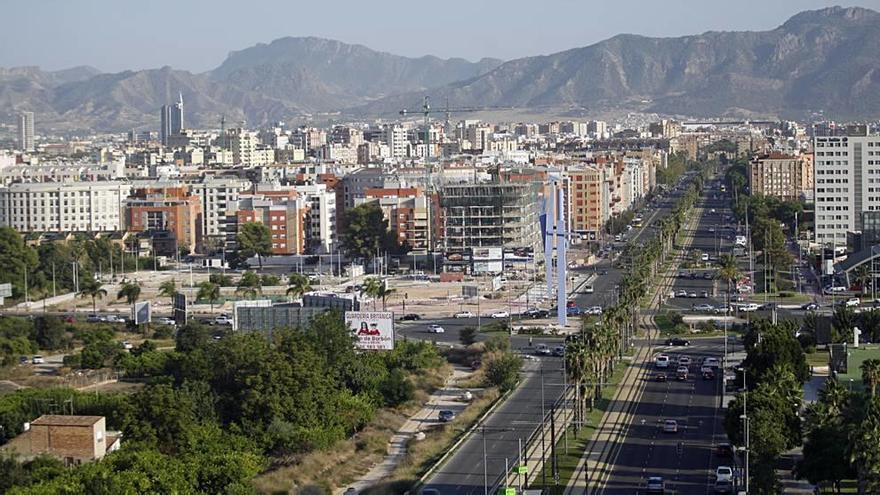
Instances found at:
x=209 y=291
x=130 y=291
x=372 y=287
x=249 y=284
x=871 y=374
x=92 y=288
x=168 y=289
x=299 y=284
x=862 y=276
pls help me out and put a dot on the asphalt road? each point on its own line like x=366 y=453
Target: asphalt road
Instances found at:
x=694 y=404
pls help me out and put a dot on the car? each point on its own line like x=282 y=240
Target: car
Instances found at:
x=711 y=230
x=435 y=328
x=704 y=257
x=166 y=321
x=114 y=319
x=655 y=485
x=411 y=317
x=704 y=294
x=811 y=306
x=500 y=314
x=603 y=272
x=723 y=473
x=682 y=274
x=38 y=360
x=572 y=311
x=707 y=275
x=23 y=360
x=678 y=341
x=692 y=295
x=681 y=373
x=684 y=361
x=721 y=310
x=661 y=361
x=588 y=289
x=831 y=289
x=594 y=310
x=712 y=362
x=660 y=377
x=852 y=302
x=749 y=308
x=543 y=350
x=681 y=293
x=446 y=415
x=127 y=345
x=670 y=426
x=93 y=318
x=724 y=451
x=707 y=308
x=723 y=487
x=707 y=373
x=464 y=314
x=222 y=320
x=671 y=294
x=559 y=351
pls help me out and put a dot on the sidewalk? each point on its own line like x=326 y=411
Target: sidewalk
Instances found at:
x=447 y=397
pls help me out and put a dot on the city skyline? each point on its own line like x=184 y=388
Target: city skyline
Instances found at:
x=52 y=38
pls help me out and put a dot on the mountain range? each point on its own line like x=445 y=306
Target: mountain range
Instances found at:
x=818 y=62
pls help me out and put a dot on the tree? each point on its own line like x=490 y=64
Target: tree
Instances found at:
x=249 y=284
x=49 y=332
x=168 y=289
x=254 y=239
x=871 y=374
x=843 y=320
x=209 y=291
x=728 y=270
x=377 y=288
x=299 y=285
x=862 y=277
x=92 y=288
x=16 y=259
x=397 y=389
x=502 y=370
x=865 y=455
x=467 y=336
x=130 y=291
x=366 y=231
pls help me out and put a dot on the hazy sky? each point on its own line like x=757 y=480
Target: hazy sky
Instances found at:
x=196 y=35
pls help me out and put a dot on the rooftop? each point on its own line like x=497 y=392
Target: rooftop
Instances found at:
x=59 y=420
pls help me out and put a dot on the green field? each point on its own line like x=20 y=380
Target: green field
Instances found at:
x=854 y=363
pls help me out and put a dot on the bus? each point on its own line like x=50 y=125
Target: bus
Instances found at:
x=637 y=222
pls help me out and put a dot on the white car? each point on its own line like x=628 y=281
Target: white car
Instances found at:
x=543 y=350
x=127 y=345
x=684 y=361
x=670 y=426
x=114 y=319
x=464 y=314
x=435 y=328
x=852 y=302
x=595 y=310
x=38 y=360
x=500 y=314
x=166 y=321
x=704 y=308
x=724 y=473
x=223 y=320
x=711 y=362
x=749 y=308
x=662 y=361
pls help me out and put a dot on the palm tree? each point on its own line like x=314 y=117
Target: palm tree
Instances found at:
x=371 y=288
x=92 y=288
x=862 y=276
x=130 y=291
x=871 y=374
x=249 y=284
x=299 y=284
x=168 y=289
x=728 y=270
x=209 y=291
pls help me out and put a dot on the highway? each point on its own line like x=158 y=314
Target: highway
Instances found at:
x=463 y=472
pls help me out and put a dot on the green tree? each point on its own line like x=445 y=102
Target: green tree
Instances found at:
x=377 y=288
x=298 y=285
x=130 y=291
x=254 y=239
x=871 y=374
x=467 y=336
x=843 y=320
x=366 y=231
x=208 y=291
x=502 y=370
x=397 y=388
x=49 y=333
x=864 y=454
x=249 y=284
x=862 y=277
x=168 y=289
x=16 y=259
x=92 y=288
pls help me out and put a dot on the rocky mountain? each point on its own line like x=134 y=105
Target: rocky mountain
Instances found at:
x=287 y=78
x=826 y=60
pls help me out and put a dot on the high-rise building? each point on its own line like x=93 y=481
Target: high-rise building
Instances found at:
x=171 y=120
x=26 y=131
x=847 y=183
x=778 y=175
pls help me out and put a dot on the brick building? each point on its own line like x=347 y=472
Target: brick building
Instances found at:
x=166 y=209
x=74 y=439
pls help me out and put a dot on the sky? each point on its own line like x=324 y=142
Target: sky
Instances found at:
x=196 y=35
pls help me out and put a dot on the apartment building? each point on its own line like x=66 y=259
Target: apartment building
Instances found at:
x=63 y=207
x=395 y=137
x=219 y=197
x=321 y=220
x=284 y=214
x=172 y=210
x=26 y=131
x=778 y=175
x=247 y=150
x=406 y=210
x=847 y=183
x=589 y=199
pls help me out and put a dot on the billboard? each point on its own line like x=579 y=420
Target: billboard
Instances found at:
x=179 y=309
x=373 y=330
x=141 y=313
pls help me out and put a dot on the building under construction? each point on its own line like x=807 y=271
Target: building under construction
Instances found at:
x=497 y=214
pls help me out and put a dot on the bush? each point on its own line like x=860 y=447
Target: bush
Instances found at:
x=502 y=370
x=467 y=336
x=163 y=332
x=397 y=389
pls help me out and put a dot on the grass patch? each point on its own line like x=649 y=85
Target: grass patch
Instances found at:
x=669 y=323
x=577 y=443
x=854 y=362
x=818 y=358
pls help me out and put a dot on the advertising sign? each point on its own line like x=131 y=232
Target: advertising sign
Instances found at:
x=179 y=309
x=373 y=330
x=142 y=313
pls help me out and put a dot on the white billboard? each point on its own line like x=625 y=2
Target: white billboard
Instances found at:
x=142 y=313
x=372 y=330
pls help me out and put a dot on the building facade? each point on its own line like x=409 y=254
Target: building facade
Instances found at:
x=170 y=120
x=491 y=215
x=63 y=207
x=174 y=210
x=778 y=175
x=26 y=131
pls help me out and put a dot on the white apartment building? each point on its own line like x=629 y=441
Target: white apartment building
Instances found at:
x=63 y=207
x=247 y=150
x=395 y=137
x=219 y=201
x=321 y=220
x=847 y=183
